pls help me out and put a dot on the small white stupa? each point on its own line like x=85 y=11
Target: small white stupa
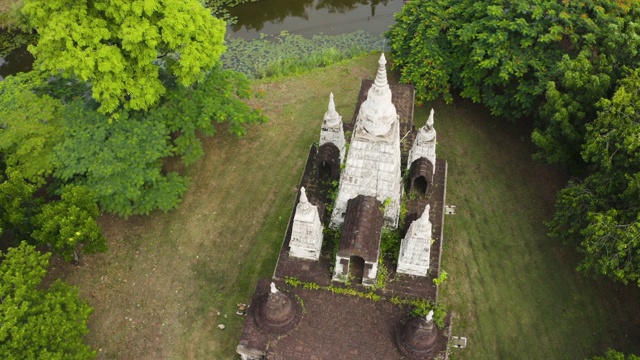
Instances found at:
x=424 y=145
x=415 y=249
x=306 y=233
x=332 y=129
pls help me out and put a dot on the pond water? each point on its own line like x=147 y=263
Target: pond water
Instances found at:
x=19 y=60
x=302 y=17
x=312 y=17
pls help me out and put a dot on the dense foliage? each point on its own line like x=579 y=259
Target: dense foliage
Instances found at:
x=30 y=127
x=120 y=47
x=67 y=226
x=122 y=162
x=539 y=58
x=69 y=223
x=602 y=212
x=39 y=323
x=170 y=70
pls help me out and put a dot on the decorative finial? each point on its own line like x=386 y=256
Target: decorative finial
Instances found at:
x=429 y=315
x=275 y=290
x=424 y=218
x=332 y=105
x=430 y=120
x=381 y=76
x=304 y=206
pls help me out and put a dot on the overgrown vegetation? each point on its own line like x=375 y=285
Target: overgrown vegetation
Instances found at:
x=419 y=307
x=290 y=54
x=39 y=321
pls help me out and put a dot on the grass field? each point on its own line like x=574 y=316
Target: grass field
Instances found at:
x=513 y=290
x=168 y=280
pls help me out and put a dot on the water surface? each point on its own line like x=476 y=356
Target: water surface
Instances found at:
x=312 y=17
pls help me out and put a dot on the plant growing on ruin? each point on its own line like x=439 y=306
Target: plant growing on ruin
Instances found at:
x=292 y=281
x=390 y=244
x=441 y=278
x=382 y=275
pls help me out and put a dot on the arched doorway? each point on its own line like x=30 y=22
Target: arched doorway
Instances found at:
x=325 y=171
x=420 y=185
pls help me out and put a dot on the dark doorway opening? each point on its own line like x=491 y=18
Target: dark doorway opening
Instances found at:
x=420 y=185
x=356 y=269
x=325 y=171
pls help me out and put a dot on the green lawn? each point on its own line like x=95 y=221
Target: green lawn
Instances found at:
x=168 y=280
x=514 y=291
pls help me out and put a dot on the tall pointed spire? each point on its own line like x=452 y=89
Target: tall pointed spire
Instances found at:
x=332 y=105
x=304 y=205
x=381 y=76
x=415 y=248
x=306 y=232
x=424 y=218
x=424 y=145
x=430 y=120
x=303 y=196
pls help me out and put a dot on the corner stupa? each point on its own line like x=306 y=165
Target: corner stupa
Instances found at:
x=306 y=233
x=332 y=130
x=415 y=249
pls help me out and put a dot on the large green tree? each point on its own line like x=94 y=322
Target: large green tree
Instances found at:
x=37 y=322
x=549 y=59
x=602 y=213
x=121 y=46
x=122 y=162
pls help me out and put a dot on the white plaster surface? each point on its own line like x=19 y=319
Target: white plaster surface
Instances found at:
x=415 y=249
x=306 y=233
x=332 y=129
x=424 y=144
x=373 y=163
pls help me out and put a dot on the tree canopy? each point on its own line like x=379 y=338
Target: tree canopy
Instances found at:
x=552 y=60
x=39 y=323
x=68 y=135
x=602 y=212
x=122 y=162
x=121 y=47
x=30 y=127
x=69 y=223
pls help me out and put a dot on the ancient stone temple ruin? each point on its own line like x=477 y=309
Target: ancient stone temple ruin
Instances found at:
x=320 y=321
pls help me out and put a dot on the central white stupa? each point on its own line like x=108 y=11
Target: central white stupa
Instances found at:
x=373 y=161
